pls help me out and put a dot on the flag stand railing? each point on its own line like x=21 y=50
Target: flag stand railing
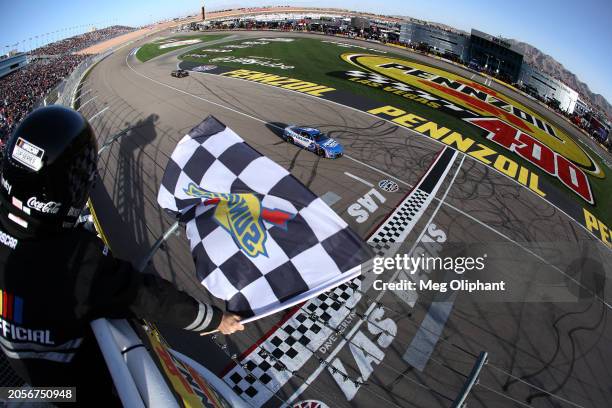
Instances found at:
x=471 y=380
x=163 y=238
x=124 y=381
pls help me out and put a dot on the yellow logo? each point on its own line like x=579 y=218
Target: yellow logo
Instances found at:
x=242 y=215
x=478 y=98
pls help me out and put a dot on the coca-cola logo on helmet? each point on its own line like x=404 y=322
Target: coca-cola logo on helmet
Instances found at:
x=50 y=207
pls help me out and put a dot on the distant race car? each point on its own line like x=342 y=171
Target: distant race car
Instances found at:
x=313 y=140
x=179 y=73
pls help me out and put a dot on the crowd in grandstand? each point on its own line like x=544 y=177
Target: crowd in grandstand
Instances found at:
x=22 y=90
x=80 y=42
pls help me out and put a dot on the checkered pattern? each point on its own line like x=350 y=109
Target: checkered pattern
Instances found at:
x=399 y=223
x=313 y=251
x=269 y=366
x=381 y=79
x=296 y=340
x=312 y=325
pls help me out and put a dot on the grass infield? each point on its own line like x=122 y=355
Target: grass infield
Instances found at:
x=152 y=50
x=316 y=61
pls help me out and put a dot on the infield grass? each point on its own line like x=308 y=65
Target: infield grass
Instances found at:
x=152 y=50
x=315 y=61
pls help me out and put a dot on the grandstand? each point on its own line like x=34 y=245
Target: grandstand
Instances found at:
x=24 y=87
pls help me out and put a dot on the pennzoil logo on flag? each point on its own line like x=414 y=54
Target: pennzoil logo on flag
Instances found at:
x=259 y=238
x=241 y=216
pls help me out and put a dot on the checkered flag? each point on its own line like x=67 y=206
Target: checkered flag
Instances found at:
x=260 y=239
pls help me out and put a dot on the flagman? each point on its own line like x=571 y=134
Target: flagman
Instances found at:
x=55 y=277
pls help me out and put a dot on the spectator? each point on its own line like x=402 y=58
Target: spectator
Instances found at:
x=21 y=90
x=80 y=42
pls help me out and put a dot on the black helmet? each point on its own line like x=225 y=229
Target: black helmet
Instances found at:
x=48 y=169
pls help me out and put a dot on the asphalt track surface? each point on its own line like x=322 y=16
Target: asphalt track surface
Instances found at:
x=549 y=345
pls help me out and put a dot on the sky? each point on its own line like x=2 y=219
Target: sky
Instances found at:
x=578 y=34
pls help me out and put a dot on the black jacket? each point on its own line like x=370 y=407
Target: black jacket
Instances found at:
x=52 y=287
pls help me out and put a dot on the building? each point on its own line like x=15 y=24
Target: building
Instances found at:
x=12 y=63
x=581 y=107
x=548 y=88
x=441 y=41
x=495 y=55
x=360 y=23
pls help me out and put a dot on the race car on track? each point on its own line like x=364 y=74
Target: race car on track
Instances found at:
x=179 y=73
x=313 y=140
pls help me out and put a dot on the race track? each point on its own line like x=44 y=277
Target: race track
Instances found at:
x=548 y=342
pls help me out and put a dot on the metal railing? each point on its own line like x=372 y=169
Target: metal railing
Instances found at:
x=71 y=83
x=470 y=381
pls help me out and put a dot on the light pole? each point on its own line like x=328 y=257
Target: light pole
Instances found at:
x=498 y=65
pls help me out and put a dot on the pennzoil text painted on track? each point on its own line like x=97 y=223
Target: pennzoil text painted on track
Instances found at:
x=363 y=346
x=313 y=140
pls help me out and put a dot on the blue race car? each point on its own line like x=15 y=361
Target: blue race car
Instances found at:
x=313 y=140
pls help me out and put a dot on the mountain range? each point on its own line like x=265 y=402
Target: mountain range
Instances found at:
x=552 y=67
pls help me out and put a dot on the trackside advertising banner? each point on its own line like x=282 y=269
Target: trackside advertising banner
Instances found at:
x=189 y=387
x=518 y=134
